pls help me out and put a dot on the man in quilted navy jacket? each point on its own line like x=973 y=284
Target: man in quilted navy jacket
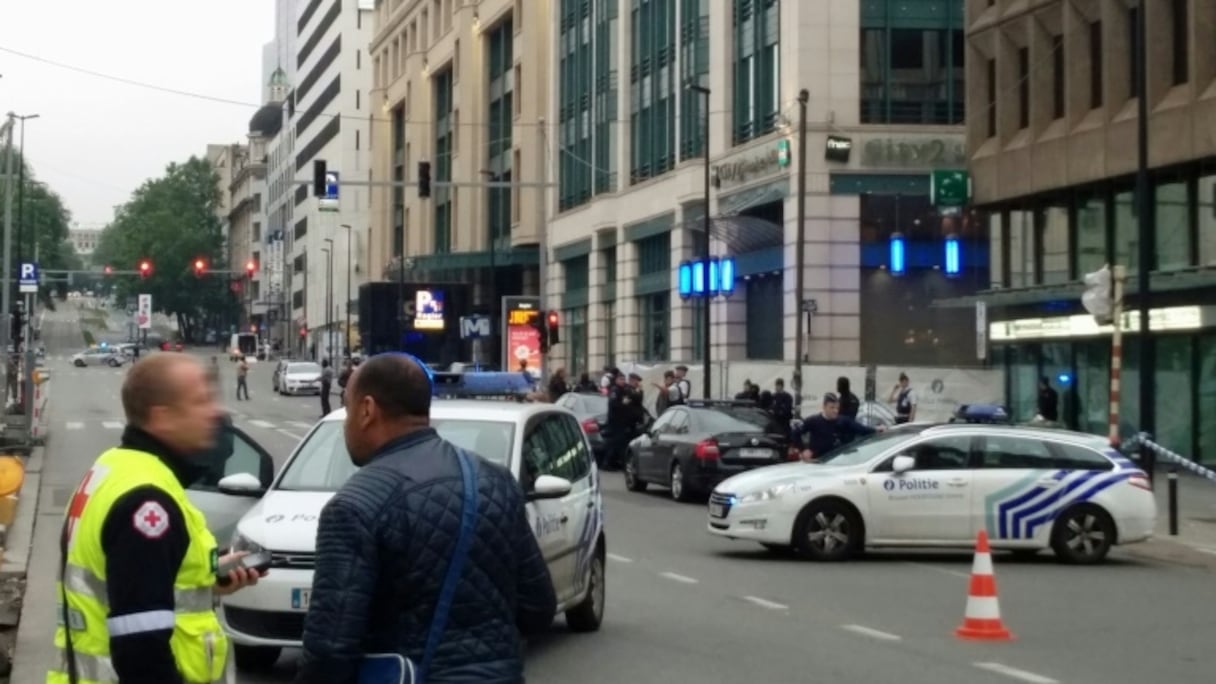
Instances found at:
x=385 y=539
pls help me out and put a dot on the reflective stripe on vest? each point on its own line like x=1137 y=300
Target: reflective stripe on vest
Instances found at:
x=199 y=647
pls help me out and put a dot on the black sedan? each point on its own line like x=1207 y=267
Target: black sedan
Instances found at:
x=591 y=409
x=692 y=448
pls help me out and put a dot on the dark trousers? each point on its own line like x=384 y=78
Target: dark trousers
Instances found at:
x=241 y=386
x=325 y=410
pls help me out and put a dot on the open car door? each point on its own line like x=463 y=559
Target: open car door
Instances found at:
x=241 y=473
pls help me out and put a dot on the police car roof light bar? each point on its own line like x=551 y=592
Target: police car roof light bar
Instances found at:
x=482 y=385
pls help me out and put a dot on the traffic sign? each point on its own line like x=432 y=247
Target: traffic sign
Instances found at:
x=475 y=327
x=28 y=277
x=143 y=315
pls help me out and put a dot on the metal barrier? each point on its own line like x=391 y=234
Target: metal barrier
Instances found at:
x=1150 y=451
x=39 y=424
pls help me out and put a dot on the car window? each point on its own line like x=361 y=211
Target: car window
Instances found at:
x=730 y=419
x=679 y=422
x=942 y=453
x=865 y=450
x=1077 y=457
x=662 y=424
x=568 y=401
x=1000 y=451
x=304 y=368
x=555 y=446
x=233 y=453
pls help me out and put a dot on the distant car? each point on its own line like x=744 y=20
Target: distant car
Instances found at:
x=99 y=356
x=924 y=485
x=591 y=409
x=300 y=377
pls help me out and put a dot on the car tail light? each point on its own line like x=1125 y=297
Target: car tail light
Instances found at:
x=706 y=450
x=793 y=454
x=1140 y=479
x=590 y=426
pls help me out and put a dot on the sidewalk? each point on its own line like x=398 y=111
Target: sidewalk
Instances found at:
x=1195 y=543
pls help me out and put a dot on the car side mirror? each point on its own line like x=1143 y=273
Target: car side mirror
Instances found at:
x=549 y=487
x=902 y=464
x=240 y=484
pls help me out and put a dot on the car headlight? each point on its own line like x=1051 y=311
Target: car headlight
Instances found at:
x=242 y=543
x=774 y=492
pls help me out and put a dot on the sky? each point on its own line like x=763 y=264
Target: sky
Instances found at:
x=96 y=140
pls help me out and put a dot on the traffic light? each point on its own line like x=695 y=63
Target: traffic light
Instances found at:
x=251 y=266
x=424 y=179
x=109 y=269
x=541 y=326
x=554 y=335
x=303 y=331
x=1098 y=298
x=200 y=267
x=318 y=177
x=145 y=268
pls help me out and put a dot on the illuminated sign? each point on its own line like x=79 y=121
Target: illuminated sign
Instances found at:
x=428 y=310
x=1178 y=318
x=520 y=335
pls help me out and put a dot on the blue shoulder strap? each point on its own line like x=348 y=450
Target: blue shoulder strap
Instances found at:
x=468 y=521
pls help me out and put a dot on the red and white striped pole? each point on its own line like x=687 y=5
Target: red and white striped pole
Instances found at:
x=1119 y=276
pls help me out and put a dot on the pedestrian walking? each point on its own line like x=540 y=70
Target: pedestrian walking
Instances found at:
x=327 y=383
x=139 y=567
x=242 y=377
x=389 y=539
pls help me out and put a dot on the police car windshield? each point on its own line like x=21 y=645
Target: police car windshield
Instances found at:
x=324 y=465
x=861 y=451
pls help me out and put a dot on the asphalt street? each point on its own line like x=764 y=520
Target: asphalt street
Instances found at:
x=686 y=607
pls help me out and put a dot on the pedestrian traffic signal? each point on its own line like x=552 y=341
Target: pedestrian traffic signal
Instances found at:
x=554 y=335
x=424 y=179
x=200 y=267
x=318 y=177
x=145 y=268
x=251 y=266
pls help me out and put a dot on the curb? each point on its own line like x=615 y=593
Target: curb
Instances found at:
x=15 y=558
x=1174 y=552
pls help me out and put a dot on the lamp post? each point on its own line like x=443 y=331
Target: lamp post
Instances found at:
x=329 y=300
x=21 y=184
x=800 y=254
x=350 y=236
x=707 y=387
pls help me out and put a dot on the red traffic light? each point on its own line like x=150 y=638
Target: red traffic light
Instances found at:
x=553 y=319
x=109 y=269
x=253 y=328
x=145 y=268
x=303 y=332
x=250 y=266
x=200 y=265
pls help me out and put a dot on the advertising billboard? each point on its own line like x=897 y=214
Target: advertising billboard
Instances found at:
x=521 y=341
x=428 y=310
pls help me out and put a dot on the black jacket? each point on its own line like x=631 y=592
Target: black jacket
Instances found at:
x=383 y=544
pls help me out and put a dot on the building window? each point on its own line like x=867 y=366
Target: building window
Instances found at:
x=399 y=176
x=694 y=68
x=1091 y=251
x=757 y=82
x=1133 y=31
x=764 y=311
x=1023 y=88
x=1206 y=200
x=587 y=93
x=1053 y=236
x=608 y=258
x=991 y=102
x=442 y=197
x=1173 y=226
x=652 y=89
x=996 y=242
x=575 y=335
x=1181 y=42
x=1057 y=77
x=576 y=272
x=1127 y=232
x=1095 y=65
x=609 y=333
x=912 y=63
x=1021 y=249
x=656 y=322
x=500 y=59
x=654 y=254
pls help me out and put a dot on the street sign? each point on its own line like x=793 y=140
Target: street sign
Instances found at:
x=28 y=277
x=950 y=188
x=981 y=330
x=475 y=327
x=330 y=201
x=143 y=314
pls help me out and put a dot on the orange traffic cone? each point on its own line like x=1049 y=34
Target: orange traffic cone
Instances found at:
x=982 y=619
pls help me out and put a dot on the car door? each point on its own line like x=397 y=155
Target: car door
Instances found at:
x=541 y=456
x=1016 y=479
x=224 y=509
x=649 y=447
x=929 y=503
x=580 y=509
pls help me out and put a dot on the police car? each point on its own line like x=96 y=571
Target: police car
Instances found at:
x=542 y=444
x=938 y=486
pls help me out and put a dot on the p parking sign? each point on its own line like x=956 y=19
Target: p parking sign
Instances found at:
x=27 y=277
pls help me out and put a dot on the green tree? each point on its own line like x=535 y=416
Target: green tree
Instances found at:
x=171 y=222
x=40 y=229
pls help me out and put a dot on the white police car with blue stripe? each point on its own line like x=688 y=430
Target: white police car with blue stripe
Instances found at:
x=938 y=486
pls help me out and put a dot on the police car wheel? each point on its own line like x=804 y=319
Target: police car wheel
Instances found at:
x=1083 y=535
x=827 y=530
x=588 y=615
x=256 y=658
x=632 y=482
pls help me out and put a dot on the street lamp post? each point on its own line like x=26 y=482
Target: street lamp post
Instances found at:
x=705 y=318
x=21 y=185
x=350 y=236
x=800 y=255
x=329 y=301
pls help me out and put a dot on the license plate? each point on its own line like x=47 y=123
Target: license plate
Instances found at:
x=299 y=598
x=717 y=510
x=755 y=453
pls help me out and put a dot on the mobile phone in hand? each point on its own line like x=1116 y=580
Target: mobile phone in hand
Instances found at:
x=259 y=562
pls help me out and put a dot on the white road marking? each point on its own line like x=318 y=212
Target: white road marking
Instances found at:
x=289 y=434
x=765 y=603
x=934 y=568
x=299 y=424
x=112 y=424
x=871 y=632
x=73 y=425
x=618 y=558
x=680 y=578
x=262 y=424
x=1200 y=549
x=1014 y=673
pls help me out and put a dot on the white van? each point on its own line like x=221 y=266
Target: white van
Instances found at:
x=243 y=344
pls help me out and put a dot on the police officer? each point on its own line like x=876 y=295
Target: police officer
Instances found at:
x=620 y=423
x=139 y=566
x=904 y=398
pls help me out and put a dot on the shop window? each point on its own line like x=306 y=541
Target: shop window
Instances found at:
x=1053 y=236
x=1206 y=399
x=1206 y=199
x=1129 y=388
x=1021 y=249
x=1093 y=386
x=1172 y=391
x=1091 y=234
x=1056 y=362
x=765 y=317
x=1173 y=241
x=1023 y=373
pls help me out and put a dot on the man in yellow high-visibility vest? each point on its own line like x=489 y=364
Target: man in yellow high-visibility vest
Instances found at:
x=139 y=569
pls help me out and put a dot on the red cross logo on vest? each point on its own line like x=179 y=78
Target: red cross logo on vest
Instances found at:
x=151 y=520
x=80 y=499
